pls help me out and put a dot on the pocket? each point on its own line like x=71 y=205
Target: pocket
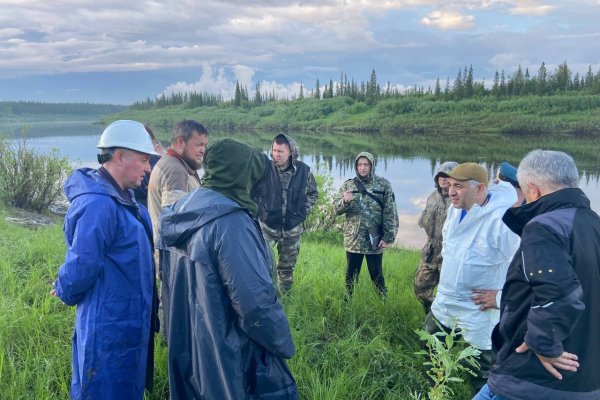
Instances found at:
x=272 y=375
x=120 y=324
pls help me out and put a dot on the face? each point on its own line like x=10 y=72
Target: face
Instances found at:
x=363 y=167
x=443 y=182
x=281 y=154
x=134 y=167
x=192 y=151
x=462 y=194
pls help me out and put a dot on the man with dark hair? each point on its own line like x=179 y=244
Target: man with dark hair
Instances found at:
x=176 y=173
x=293 y=193
x=228 y=334
x=432 y=220
x=108 y=271
x=547 y=341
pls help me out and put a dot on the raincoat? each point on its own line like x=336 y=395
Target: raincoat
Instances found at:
x=108 y=274
x=476 y=253
x=228 y=334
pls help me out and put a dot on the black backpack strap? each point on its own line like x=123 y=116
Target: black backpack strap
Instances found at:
x=359 y=185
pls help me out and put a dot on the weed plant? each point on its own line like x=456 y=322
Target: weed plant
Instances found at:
x=28 y=178
x=363 y=348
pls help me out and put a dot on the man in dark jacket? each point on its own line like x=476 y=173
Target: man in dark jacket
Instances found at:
x=228 y=334
x=108 y=271
x=282 y=211
x=547 y=341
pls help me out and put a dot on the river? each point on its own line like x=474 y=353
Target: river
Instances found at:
x=408 y=167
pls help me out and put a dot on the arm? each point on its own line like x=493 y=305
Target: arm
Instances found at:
x=311 y=193
x=244 y=265
x=340 y=204
x=89 y=230
x=390 y=216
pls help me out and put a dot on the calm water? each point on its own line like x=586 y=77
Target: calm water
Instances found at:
x=409 y=170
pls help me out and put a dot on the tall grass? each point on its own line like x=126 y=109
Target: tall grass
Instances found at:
x=360 y=349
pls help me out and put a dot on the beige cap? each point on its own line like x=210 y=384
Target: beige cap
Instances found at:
x=468 y=171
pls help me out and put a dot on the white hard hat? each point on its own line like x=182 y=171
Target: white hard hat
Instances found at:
x=127 y=134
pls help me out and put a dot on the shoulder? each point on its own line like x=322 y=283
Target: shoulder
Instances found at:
x=382 y=183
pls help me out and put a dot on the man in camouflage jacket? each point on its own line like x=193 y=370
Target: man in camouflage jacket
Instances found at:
x=371 y=221
x=282 y=211
x=432 y=220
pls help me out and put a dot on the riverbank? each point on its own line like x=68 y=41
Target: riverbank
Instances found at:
x=573 y=115
x=360 y=349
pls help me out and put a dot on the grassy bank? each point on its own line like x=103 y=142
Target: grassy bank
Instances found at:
x=363 y=349
x=574 y=114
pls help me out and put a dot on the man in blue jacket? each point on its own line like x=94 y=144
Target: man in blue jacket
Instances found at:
x=228 y=335
x=108 y=271
x=547 y=341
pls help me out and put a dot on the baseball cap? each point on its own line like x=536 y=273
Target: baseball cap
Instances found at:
x=468 y=171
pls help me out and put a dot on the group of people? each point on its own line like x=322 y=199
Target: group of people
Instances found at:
x=210 y=241
x=517 y=269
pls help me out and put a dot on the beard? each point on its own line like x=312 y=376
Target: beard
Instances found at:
x=195 y=165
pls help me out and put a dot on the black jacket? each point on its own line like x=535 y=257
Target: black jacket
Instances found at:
x=269 y=206
x=551 y=300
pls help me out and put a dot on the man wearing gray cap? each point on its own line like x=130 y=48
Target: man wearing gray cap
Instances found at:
x=477 y=248
x=432 y=219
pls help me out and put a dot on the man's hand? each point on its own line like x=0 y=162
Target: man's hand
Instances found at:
x=382 y=244
x=53 y=293
x=347 y=196
x=566 y=361
x=485 y=299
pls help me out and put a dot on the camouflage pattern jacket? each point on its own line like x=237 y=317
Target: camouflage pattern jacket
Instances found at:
x=364 y=212
x=285 y=176
x=432 y=220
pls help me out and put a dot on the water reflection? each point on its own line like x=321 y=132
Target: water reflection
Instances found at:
x=408 y=163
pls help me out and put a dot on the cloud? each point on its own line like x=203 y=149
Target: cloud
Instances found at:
x=447 y=20
x=532 y=10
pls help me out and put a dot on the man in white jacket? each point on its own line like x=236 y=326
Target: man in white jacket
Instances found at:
x=477 y=248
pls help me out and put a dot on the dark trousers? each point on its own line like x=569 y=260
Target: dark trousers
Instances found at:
x=484 y=359
x=374 y=263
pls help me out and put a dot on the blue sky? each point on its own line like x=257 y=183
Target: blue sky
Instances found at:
x=106 y=51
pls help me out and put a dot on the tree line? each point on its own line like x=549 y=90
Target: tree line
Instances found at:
x=518 y=83
x=18 y=108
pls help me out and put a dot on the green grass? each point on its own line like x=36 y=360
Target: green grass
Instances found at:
x=362 y=349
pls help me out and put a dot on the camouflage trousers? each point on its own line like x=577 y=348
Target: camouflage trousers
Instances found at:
x=288 y=249
x=427 y=278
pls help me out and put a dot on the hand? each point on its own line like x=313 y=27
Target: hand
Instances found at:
x=485 y=299
x=53 y=293
x=566 y=361
x=347 y=196
x=382 y=244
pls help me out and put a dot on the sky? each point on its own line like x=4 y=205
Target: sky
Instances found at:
x=108 y=51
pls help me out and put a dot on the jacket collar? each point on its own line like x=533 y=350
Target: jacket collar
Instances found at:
x=189 y=169
x=516 y=218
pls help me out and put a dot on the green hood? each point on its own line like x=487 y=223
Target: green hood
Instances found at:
x=233 y=168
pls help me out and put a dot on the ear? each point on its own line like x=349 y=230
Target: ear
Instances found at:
x=118 y=156
x=533 y=192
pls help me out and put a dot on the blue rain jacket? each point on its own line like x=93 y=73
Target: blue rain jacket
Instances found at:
x=227 y=333
x=108 y=274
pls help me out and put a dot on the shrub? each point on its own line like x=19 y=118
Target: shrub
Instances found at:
x=29 y=178
x=322 y=219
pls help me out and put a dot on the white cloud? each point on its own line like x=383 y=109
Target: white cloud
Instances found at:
x=532 y=9
x=447 y=20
